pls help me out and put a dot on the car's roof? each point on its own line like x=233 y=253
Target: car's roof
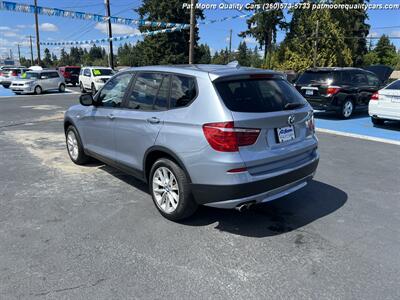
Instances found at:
x=96 y=67
x=323 y=69
x=203 y=70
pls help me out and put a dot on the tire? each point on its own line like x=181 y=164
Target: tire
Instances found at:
x=74 y=84
x=74 y=143
x=61 y=88
x=82 y=88
x=17 y=93
x=164 y=197
x=377 y=121
x=93 y=89
x=346 y=109
x=38 y=90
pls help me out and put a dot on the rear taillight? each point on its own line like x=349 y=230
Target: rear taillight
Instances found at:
x=237 y=170
x=311 y=125
x=375 y=96
x=67 y=74
x=225 y=137
x=14 y=73
x=332 y=90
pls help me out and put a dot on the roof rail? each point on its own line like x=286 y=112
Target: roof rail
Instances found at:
x=234 y=64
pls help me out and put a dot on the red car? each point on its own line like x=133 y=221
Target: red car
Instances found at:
x=70 y=74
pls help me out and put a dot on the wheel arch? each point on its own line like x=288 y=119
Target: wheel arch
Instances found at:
x=156 y=152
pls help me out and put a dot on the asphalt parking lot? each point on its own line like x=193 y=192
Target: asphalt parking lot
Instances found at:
x=92 y=232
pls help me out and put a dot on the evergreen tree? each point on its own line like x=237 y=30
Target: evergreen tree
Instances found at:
x=166 y=48
x=243 y=56
x=386 y=52
x=264 y=24
x=47 y=58
x=203 y=54
x=297 y=50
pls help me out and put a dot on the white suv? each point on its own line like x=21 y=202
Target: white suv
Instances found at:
x=93 y=78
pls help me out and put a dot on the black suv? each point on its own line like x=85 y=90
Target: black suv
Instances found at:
x=342 y=90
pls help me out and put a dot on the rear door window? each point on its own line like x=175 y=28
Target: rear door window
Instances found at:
x=259 y=95
x=372 y=80
x=150 y=92
x=358 y=78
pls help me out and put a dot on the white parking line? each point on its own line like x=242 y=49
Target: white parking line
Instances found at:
x=359 y=136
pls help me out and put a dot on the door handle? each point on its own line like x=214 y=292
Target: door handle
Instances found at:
x=111 y=116
x=153 y=120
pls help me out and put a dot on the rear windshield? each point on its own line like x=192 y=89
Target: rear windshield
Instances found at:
x=393 y=86
x=72 y=70
x=102 y=72
x=317 y=77
x=259 y=95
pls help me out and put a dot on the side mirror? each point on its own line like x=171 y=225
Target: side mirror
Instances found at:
x=86 y=99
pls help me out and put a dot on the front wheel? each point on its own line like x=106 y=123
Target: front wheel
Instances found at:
x=93 y=88
x=75 y=147
x=346 y=109
x=170 y=189
x=82 y=88
x=38 y=90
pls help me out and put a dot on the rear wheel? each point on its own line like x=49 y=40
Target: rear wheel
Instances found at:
x=170 y=189
x=75 y=147
x=377 y=121
x=38 y=90
x=346 y=109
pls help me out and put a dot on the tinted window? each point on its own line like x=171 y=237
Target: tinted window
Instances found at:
x=72 y=70
x=161 y=101
x=30 y=75
x=102 y=72
x=86 y=72
x=258 y=95
x=358 y=78
x=372 y=80
x=394 y=85
x=53 y=75
x=317 y=77
x=183 y=90
x=145 y=91
x=112 y=94
x=346 y=77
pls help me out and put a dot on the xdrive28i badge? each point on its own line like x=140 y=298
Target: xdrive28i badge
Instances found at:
x=291 y=120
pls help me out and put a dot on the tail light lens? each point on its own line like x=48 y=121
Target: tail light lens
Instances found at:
x=311 y=125
x=375 y=96
x=14 y=73
x=332 y=90
x=225 y=137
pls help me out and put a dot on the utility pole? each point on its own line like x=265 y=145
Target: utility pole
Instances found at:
x=192 y=28
x=30 y=41
x=316 y=44
x=230 y=42
x=37 y=34
x=19 y=53
x=111 y=54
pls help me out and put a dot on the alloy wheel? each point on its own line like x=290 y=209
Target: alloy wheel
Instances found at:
x=347 y=109
x=165 y=190
x=72 y=145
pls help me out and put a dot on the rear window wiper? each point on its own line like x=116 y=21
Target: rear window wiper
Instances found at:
x=292 y=105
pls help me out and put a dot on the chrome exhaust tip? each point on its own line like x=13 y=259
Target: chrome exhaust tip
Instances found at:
x=244 y=206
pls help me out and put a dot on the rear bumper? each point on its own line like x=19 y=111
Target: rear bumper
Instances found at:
x=322 y=104
x=229 y=196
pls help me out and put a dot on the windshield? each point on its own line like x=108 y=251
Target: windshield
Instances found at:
x=31 y=75
x=315 y=77
x=259 y=95
x=102 y=72
x=72 y=70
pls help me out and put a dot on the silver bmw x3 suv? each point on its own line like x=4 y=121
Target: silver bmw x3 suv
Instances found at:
x=216 y=135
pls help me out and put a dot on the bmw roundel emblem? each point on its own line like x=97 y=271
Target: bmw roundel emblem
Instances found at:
x=291 y=120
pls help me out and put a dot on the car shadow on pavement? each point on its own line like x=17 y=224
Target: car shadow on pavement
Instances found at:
x=289 y=213
x=331 y=116
x=392 y=125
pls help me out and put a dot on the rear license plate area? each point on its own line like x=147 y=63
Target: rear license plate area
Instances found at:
x=285 y=134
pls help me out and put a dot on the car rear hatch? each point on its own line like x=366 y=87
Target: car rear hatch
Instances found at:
x=272 y=105
x=317 y=84
x=389 y=98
